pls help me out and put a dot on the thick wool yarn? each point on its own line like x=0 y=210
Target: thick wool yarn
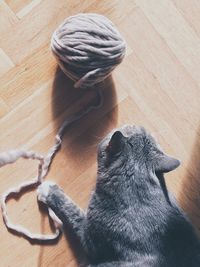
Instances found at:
x=88 y=47
x=43 y=169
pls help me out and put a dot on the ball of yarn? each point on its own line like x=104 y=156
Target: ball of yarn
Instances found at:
x=87 y=47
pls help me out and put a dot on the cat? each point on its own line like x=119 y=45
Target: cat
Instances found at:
x=131 y=220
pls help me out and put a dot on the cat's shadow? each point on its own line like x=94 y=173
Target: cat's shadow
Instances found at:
x=66 y=100
x=190 y=189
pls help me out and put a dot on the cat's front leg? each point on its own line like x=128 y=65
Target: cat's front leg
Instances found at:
x=64 y=208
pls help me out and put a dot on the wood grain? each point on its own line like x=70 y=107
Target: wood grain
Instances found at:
x=5 y=63
x=157 y=86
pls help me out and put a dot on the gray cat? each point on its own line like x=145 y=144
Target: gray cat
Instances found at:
x=131 y=220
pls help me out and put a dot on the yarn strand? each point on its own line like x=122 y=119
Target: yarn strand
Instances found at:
x=43 y=169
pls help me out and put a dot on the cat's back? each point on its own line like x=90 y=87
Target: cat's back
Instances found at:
x=132 y=233
x=164 y=232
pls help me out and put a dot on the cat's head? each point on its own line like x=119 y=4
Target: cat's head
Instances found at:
x=133 y=147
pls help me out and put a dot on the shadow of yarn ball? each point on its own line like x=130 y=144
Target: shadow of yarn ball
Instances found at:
x=67 y=100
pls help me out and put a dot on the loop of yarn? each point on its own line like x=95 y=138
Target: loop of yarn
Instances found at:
x=43 y=169
x=87 y=47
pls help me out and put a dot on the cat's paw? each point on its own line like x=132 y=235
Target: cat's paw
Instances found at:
x=43 y=191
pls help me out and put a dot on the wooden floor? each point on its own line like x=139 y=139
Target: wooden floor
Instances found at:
x=157 y=86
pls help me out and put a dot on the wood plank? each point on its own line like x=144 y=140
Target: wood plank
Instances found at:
x=23 y=80
x=5 y=63
x=114 y=10
x=190 y=13
x=159 y=60
x=17 y=5
x=27 y=9
x=3 y=108
x=7 y=19
x=178 y=34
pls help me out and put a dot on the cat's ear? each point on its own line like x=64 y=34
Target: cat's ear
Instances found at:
x=116 y=143
x=166 y=163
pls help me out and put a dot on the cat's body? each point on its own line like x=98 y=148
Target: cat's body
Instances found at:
x=131 y=221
